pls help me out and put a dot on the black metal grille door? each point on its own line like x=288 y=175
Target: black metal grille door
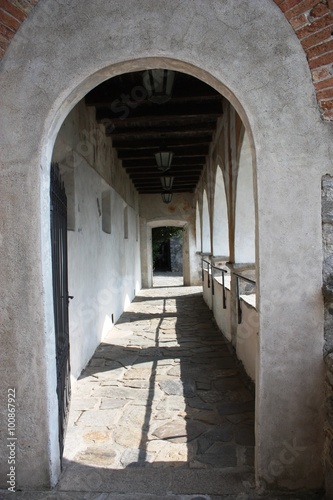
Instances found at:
x=60 y=296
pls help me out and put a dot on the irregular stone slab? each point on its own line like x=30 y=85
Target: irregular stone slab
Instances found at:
x=228 y=384
x=223 y=432
x=244 y=435
x=128 y=436
x=249 y=456
x=208 y=417
x=74 y=417
x=177 y=388
x=164 y=362
x=121 y=393
x=203 y=386
x=210 y=396
x=172 y=403
x=178 y=432
x=99 y=418
x=138 y=374
x=135 y=416
x=108 y=404
x=172 y=387
x=96 y=362
x=196 y=402
x=231 y=408
x=169 y=454
x=151 y=352
x=223 y=456
x=221 y=373
x=137 y=384
x=83 y=389
x=110 y=383
x=241 y=395
x=97 y=437
x=134 y=457
x=236 y=419
x=165 y=415
x=101 y=456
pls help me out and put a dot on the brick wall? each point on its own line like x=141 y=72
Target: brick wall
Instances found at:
x=312 y=21
x=12 y=14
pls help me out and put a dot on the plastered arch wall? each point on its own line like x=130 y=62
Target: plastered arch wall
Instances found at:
x=311 y=21
x=220 y=218
x=49 y=67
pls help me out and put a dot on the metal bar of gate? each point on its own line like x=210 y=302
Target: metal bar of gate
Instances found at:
x=60 y=295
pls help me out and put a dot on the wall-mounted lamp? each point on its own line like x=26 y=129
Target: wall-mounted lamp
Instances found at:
x=167 y=182
x=158 y=83
x=166 y=197
x=164 y=160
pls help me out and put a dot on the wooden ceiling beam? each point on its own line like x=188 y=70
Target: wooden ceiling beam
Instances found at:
x=148 y=122
x=163 y=133
x=145 y=163
x=179 y=152
x=185 y=189
x=160 y=111
x=172 y=143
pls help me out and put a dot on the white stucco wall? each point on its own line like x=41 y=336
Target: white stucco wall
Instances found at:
x=245 y=213
x=247 y=51
x=220 y=222
x=103 y=267
x=247 y=342
x=205 y=230
x=222 y=316
x=207 y=291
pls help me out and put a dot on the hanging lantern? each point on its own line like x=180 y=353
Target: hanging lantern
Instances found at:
x=167 y=182
x=158 y=84
x=164 y=160
x=166 y=197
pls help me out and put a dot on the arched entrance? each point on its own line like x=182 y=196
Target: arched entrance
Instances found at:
x=110 y=39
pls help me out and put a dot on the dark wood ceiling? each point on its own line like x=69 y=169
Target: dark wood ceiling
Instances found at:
x=139 y=128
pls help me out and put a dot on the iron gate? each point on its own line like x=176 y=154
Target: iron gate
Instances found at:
x=60 y=296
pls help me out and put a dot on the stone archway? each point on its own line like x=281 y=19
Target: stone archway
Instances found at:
x=47 y=70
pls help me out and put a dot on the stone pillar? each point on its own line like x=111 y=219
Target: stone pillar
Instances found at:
x=146 y=254
x=191 y=259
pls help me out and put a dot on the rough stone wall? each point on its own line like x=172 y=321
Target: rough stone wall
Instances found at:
x=176 y=254
x=327 y=218
x=312 y=21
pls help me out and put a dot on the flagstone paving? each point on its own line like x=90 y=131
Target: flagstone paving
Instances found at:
x=163 y=409
x=165 y=390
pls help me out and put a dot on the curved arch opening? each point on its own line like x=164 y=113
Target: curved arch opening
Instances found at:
x=206 y=239
x=198 y=227
x=220 y=221
x=124 y=45
x=245 y=207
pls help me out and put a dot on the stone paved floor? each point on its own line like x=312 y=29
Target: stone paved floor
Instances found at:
x=163 y=392
x=163 y=410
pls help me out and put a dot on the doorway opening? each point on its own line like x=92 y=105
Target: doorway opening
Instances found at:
x=167 y=249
